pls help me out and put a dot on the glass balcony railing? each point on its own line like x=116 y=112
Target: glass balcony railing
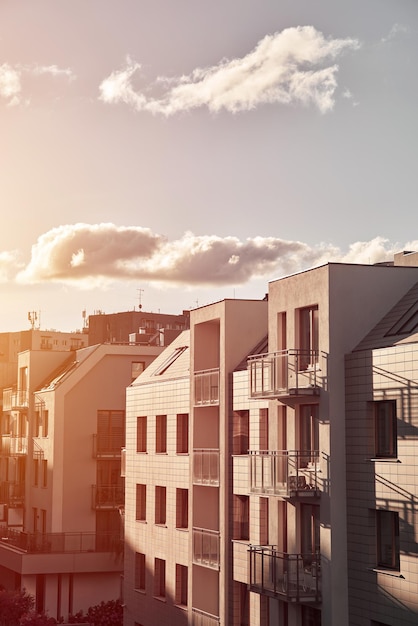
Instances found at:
x=284 y=473
x=108 y=496
x=206 y=387
x=206 y=466
x=206 y=546
x=201 y=618
x=60 y=542
x=288 y=577
x=287 y=372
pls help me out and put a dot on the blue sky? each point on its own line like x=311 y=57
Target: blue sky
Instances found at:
x=197 y=150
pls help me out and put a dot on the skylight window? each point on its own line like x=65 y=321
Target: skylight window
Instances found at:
x=170 y=360
x=408 y=323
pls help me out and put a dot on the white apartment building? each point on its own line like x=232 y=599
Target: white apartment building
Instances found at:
x=279 y=510
x=62 y=494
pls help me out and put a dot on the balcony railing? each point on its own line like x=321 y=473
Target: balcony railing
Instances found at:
x=284 y=373
x=284 y=473
x=206 y=547
x=15 y=399
x=12 y=493
x=105 y=446
x=288 y=577
x=12 y=445
x=201 y=618
x=206 y=387
x=206 y=466
x=107 y=496
x=60 y=542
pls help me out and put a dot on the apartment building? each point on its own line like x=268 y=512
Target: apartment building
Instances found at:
x=382 y=483
x=62 y=494
x=292 y=504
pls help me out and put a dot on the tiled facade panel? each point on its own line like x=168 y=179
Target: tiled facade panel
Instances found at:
x=383 y=595
x=169 y=470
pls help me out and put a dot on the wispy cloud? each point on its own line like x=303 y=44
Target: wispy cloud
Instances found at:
x=12 y=79
x=294 y=66
x=396 y=31
x=89 y=255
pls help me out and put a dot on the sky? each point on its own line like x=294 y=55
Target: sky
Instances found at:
x=172 y=154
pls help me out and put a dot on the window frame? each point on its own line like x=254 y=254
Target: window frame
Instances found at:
x=141 y=434
x=386 y=436
x=392 y=525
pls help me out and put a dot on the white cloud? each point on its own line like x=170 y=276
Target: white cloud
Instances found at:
x=89 y=255
x=295 y=66
x=10 y=84
x=10 y=263
x=397 y=30
x=53 y=70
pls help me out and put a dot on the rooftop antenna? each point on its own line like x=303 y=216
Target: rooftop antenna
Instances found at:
x=140 y=292
x=33 y=317
x=84 y=316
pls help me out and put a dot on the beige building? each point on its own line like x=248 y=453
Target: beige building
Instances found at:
x=289 y=511
x=62 y=494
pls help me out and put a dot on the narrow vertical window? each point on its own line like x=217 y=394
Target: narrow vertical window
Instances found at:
x=161 y=434
x=140 y=571
x=181 y=585
x=387 y=528
x=308 y=337
x=182 y=508
x=141 y=502
x=182 y=443
x=141 y=434
x=241 y=517
x=160 y=505
x=159 y=578
x=385 y=429
x=240 y=438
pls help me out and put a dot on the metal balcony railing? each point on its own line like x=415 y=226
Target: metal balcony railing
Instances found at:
x=206 y=466
x=107 y=496
x=288 y=577
x=12 y=445
x=12 y=493
x=206 y=387
x=206 y=546
x=201 y=618
x=287 y=372
x=15 y=399
x=284 y=473
x=60 y=542
x=105 y=446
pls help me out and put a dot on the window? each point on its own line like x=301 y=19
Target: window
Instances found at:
x=311 y=616
x=240 y=439
x=387 y=527
x=310 y=540
x=159 y=578
x=110 y=431
x=140 y=571
x=308 y=434
x=263 y=429
x=44 y=473
x=141 y=434
x=45 y=424
x=169 y=360
x=141 y=503
x=308 y=343
x=241 y=517
x=35 y=472
x=137 y=367
x=264 y=521
x=182 y=442
x=37 y=424
x=161 y=434
x=182 y=508
x=181 y=585
x=160 y=505
x=385 y=429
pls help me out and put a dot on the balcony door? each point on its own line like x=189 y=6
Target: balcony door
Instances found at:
x=309 y=532
x=308 y=343
x=308 y=434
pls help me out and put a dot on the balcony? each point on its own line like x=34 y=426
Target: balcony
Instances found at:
x=286 y=373
x=15 y=399
x=206 y=546
x=288 y=577
x=12 y=493
x=206 y=466
x=12 y=445
x=107 y=496
x=206 y=387
x=108 y=446
x=49 y=543
x=201 y=618
x=284 y=473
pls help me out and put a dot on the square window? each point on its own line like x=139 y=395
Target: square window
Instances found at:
x=161 y=434
x=182 y=508
x=141 y=434
x=385 y=429
x=160 y=505
x=387 y=527
x=141 y=502
x=140 y=571
x=182 y=443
